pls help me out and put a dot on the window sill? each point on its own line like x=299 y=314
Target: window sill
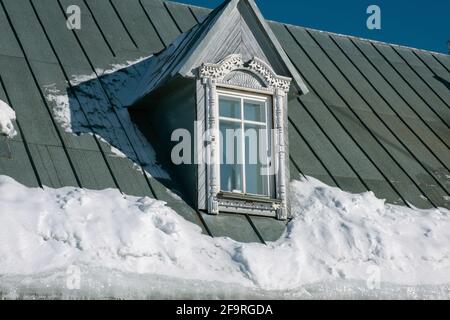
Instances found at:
x=247 y=204
x=246 y=197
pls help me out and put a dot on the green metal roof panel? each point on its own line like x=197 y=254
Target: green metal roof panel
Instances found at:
x=234 y=226
x=92 y=39
x=443 y=60
x=111 y=27
x=426 y=67
x=161 y=19
x=27 y=102
x=52 y=165
x=138 y=25
x=92 y=170
x=16 y=163
x=200 y=13
x=61 y=39
x=22 y=18
x=325 y=81
x=415 y=82
x=304 y=157
x=8 y=45
x=185 y=20
x=323 y=147
x=268 y=229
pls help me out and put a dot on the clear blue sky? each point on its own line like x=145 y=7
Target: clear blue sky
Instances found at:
x=416 y=23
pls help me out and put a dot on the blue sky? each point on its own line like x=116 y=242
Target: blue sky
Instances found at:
x=416 y=23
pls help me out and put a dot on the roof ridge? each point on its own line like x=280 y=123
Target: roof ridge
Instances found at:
x=334 y=33
x=363 y=39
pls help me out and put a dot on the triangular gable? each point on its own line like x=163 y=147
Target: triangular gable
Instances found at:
x=235 y=27
x=240 y=18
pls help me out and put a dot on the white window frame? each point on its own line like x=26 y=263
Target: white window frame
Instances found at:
x=255 y=77
x=268 y=125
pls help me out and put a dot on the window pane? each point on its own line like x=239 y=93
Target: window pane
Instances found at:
x=256 y=160
x=231 y=157
x=254 y=111
x=229 y=107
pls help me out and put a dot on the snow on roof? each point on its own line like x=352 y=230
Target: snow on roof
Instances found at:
x=334 y=236
x=7 y=115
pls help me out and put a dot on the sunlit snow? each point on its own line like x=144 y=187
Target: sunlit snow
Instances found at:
x=338 y=245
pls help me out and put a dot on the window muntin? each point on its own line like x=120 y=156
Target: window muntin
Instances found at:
x=245 y=121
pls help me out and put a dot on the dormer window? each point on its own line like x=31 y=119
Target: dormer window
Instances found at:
x=225 y=86
x=245 y=106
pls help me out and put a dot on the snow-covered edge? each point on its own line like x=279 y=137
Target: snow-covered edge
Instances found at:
x=334 y=236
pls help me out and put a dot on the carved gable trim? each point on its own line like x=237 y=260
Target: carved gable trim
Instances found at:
x=243 y=78
x=257 y=67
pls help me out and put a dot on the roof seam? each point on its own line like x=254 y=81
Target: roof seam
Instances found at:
x=426 y=83
x=394 y=135
x=123 y=24
x=410 y=86
x=314 y=153
x=400 y=95
x=98 y=27
x=147 y=179
x=369 y=130
x=389 y=104
x=351 y=135
x=36 y=83
x=363 y=39
x=24 y=140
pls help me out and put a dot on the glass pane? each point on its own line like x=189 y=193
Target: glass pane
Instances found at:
x=229 y=107
x=231 y=156
x=256 y=160
x=254 y=110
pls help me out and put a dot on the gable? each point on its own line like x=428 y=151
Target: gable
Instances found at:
x=235 y=27
x=240 y=34
x=240 y=26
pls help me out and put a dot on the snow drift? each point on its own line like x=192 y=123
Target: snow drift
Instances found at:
x=334 y=236
x=7 y=115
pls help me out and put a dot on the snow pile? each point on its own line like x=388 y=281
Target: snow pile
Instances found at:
x=335 y=236
x=348 y=236
x=7 y=115
x=42 y=230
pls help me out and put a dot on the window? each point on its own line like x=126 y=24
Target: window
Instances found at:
x=245 y=144
x=243 y=108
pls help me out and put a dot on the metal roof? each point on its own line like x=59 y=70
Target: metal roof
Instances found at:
x=376 y=118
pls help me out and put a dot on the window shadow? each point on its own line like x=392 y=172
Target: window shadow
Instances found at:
x=98 y=105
